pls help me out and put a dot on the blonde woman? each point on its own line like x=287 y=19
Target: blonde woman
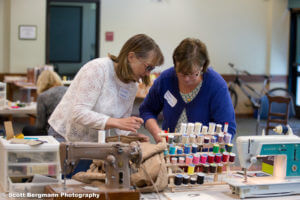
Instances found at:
x=50 y=90
x=102 y=93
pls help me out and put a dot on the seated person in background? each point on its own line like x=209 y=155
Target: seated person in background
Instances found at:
x=50 y=90
x=188 y=92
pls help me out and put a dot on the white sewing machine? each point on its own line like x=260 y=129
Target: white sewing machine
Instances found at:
x=286 y=172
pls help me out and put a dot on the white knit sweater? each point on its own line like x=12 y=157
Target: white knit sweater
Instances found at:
x=95 y=94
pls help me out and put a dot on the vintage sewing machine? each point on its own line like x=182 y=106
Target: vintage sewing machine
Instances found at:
x=286 y=172
x=117 y=157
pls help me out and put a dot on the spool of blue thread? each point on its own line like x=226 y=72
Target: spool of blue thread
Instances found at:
x=179 y=150
x=166 y=152
x=213 y=139
x=172 y=150
x=194 y=148
x=187 y=149
x=204 y=149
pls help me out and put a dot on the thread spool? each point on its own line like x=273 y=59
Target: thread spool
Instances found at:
x=200 y=139
x=213 y=168
x=213 y=139
x=200 y=178
x=186 y=179
x=197 y=129
x=211 y=158
x=205 y=168
x=220 y=168
x=178 y=179
x=188 y=160
x=172 y=150
x=192 y=138
x=179 y=150
x=218 y=128
x=225 y=157
x=218 y=158
x=203 y=158
x=211 y=127
x=166 y=152
x=222 y=149
x=191 y=169
x=206 y=140
x=183 y=128
x=190 y=128
x=193 y=181
x=194 y=148
x=185 y=139
x=196 y=159
x=205 y=149
x=220 y=138
x=174 y=160
x=181 y=160
x=216 y=148
x=225 y=130
x=204 y=130
x=231 y=157
x=101 y=136
x=229 y=147
x=171 y=139
x=227 y=138
x=187 y=149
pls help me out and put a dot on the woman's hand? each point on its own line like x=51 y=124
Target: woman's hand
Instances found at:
x=144 y=138
x=127 y=124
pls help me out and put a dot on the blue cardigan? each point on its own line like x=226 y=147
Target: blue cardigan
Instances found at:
x=212 y=103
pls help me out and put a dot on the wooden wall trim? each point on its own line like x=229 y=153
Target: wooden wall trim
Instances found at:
x=256 y=78
x=11 y=74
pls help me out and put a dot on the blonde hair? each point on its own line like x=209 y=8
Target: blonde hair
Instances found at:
x=141 y=45
x=48 y=79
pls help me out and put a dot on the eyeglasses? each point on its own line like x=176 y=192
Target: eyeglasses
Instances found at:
x=148 y=68
x=191 y=76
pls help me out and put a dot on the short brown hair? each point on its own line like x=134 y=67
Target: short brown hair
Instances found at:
x=141 y=45
x=189 y=53
x=46 y=80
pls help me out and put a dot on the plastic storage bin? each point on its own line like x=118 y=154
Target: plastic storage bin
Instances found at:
x=21 y=162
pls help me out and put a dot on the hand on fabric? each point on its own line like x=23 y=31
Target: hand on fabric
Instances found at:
x=127 y=124
x=144 y=138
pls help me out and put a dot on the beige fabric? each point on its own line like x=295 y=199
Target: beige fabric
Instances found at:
x=89 y=177
x=123 y=139
x=152 y=170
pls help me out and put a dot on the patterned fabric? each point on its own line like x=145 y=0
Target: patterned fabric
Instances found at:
x=46 y=103
x=187 y=98
x=95 y=95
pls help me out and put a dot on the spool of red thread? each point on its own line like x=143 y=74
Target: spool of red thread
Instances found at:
x=211 y=158
x=231 y=157
x=225 y=157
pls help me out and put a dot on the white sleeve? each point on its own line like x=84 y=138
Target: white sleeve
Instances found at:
x=127 y=114
x=90 y=81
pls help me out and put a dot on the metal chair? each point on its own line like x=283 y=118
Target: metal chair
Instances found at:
x=277 y=117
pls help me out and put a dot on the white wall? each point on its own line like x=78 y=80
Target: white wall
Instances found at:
x=234 y=30
x=253 y=34
x=27 y=53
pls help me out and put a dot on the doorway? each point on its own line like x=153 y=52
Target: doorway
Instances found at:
x=72 y=35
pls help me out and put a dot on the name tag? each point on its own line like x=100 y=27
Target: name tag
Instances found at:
x=124 y=93
x=172 y=101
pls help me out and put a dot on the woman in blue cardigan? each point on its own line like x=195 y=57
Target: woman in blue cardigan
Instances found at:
x=188 y=92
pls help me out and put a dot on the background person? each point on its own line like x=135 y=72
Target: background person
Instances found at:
x=188 y=92
x=50 y=90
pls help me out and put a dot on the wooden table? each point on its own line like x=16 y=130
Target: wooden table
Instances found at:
x=29 y=110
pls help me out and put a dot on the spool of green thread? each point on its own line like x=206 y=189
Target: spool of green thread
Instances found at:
x=216 y=148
